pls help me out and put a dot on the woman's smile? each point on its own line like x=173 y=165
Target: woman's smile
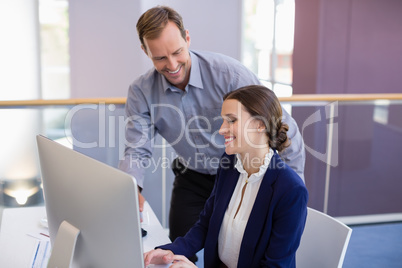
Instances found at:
x=229 y=139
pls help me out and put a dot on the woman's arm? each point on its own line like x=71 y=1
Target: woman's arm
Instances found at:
x=287 y=228
x=194 y=240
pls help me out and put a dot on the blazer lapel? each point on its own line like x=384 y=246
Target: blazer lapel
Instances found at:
x=224 y=193
x=225 y=188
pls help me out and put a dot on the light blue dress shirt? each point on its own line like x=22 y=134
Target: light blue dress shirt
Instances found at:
x=189 y=120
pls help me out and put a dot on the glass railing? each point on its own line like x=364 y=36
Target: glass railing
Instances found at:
x=353 y=150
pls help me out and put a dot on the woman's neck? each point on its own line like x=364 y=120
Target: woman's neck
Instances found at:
x=252 y=161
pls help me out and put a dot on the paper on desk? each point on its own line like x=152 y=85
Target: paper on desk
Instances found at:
x=43 y=236
x=41 y=254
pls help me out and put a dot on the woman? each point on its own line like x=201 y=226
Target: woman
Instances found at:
x=256 y=213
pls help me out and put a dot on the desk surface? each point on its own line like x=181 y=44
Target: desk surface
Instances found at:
x=17 y=247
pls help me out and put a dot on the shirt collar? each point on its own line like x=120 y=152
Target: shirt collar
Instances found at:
x=195 y=75
x=263 y=167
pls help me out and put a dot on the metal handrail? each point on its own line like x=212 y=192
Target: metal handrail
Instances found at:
x=294 y=98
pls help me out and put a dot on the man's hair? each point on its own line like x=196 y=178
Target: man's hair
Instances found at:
x=151 y=24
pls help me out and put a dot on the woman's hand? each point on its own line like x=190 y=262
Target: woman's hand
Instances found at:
x=158 y=256
x=179 y=261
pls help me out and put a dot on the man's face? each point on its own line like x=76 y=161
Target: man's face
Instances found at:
x=170 y=56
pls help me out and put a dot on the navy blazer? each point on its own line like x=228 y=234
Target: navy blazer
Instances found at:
x=275 y=225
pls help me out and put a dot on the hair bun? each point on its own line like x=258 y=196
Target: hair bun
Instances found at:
x=280 y=141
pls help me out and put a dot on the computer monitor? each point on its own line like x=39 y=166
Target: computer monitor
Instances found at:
x=94 y=201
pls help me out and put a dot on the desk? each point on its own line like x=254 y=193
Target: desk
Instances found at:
x=16 y=247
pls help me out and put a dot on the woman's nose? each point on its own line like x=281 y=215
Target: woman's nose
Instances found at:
x=223 y=130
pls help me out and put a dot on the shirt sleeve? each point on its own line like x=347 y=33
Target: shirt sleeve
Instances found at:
x=194 y=240
x=139 y=132
x=294 y=155
x=244 y=77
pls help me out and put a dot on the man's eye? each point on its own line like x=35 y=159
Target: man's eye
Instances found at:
x=231 y=121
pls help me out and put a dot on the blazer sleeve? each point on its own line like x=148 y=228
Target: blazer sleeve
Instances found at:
x=287 y=228
x=194 y=240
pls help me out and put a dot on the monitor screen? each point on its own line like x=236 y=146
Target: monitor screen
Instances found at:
x=97 y=199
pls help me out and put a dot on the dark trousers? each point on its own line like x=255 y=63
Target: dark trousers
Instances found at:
x=191 y=190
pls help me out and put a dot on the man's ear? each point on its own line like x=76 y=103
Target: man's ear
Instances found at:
x=188 y=39
x=144 y=49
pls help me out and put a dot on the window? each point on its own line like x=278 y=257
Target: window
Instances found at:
x=268 y=42
x=54 y=39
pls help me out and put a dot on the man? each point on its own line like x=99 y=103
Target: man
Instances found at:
x=180 y=98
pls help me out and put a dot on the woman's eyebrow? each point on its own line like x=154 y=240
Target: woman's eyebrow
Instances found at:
x=230 y=114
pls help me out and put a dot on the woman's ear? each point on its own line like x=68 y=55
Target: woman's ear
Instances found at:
x=261 y=127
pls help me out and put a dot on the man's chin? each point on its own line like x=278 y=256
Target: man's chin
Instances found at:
x=177 y=83
x=172 y=81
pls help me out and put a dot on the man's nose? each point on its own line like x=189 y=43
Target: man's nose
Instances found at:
x=172 y=64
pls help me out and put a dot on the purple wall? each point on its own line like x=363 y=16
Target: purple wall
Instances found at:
x=348 y=46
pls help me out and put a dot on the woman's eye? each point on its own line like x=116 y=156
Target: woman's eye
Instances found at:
x=231 y=121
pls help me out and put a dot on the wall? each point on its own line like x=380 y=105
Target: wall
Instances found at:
x=102 y=39
x=347 y=46
x=105 y=50
x=351 y=46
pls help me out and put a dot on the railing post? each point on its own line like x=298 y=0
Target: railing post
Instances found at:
x=330 y=137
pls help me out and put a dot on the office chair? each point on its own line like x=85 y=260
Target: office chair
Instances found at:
x=323 y=243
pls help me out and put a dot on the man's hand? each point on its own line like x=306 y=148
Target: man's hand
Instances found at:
x=158 y=256
x=141 y=201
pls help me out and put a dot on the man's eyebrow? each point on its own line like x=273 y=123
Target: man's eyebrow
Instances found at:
x=178 y=50
x=161 y=57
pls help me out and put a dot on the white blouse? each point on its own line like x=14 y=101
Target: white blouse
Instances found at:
x=236 y=217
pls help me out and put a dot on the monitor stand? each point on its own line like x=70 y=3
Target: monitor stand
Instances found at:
x=64 y=245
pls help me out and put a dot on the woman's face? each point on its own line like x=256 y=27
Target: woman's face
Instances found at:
x=242 y=133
